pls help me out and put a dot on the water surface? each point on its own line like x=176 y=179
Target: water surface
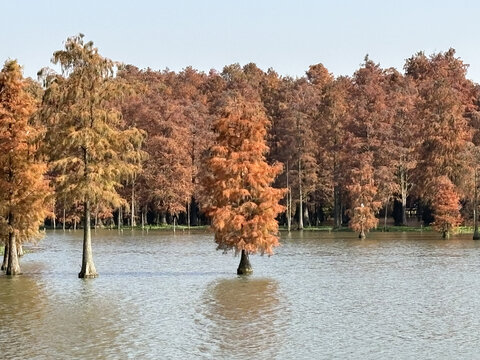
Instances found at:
x=322 y=295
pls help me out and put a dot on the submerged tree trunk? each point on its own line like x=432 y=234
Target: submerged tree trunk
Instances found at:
x=88 y=268
x=362 y=233
x=13 y=266
x=5 y=256
x=244 y=268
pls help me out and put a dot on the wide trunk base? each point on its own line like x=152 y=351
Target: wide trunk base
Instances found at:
x=88 y=272
x=476 y=235
x=13 y=271
x=83 y=275
x=362 y=235
x=244 y=268
x=13 y=266
x=5 y=258
x=446 y=235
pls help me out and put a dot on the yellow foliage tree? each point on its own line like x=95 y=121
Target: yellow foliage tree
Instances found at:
x=90 y=149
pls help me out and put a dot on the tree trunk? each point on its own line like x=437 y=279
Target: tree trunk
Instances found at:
x=188 y=214
x=362 y=234
x=385 y=220
x=476 y=235
x=403 y=190
x=119 y=218
x=174 y=221
x=143 y=218
x=96 y=218
x=306 y=216
x=132 y=221
x=289 y=210
x=194 y=213
x=5 y=256
x=300 y=197
x=164 y=218
x=337 y=216
x=289 y=203
x=20 y=251
x=13 y=267
x=64 y=219
x=244 y=268
x=88 y=268
x=74 y=224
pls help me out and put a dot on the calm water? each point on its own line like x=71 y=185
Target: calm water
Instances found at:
x=321 y=296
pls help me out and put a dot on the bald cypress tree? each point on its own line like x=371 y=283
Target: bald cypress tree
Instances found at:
x=23 y=188
x=90 y=148
x=237 y=192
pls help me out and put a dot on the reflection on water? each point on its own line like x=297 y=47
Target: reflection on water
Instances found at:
x=22 y=303
x=242 y=317
x=82 y=324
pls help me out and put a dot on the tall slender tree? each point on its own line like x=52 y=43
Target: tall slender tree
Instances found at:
x=23 y=188
x=90 y=149
x=365 y=145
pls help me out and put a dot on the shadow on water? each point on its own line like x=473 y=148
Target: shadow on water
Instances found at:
x=242 y=318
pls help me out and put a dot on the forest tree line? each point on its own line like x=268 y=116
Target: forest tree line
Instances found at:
x=353 y=148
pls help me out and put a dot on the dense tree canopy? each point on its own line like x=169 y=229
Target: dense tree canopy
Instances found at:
x=126 y=143
x=89 y=148
x=23 y=187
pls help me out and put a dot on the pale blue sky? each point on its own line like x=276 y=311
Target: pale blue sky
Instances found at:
x=286 y=35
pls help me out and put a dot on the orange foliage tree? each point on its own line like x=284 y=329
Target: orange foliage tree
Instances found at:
x=23 y=188
x=446 y=206
x=236 y=184
x=365 y=144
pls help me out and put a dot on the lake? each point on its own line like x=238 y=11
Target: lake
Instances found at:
x=173 y=296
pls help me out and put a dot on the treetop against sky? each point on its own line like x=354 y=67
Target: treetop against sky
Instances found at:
x=286 y=35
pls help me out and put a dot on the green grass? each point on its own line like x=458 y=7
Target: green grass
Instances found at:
x=166 y=227
x=465 y=230
x=378 y=229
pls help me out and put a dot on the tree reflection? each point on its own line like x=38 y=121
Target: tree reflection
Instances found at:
x=244 y=317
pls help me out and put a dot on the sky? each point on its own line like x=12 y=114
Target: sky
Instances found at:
x=287 y=36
